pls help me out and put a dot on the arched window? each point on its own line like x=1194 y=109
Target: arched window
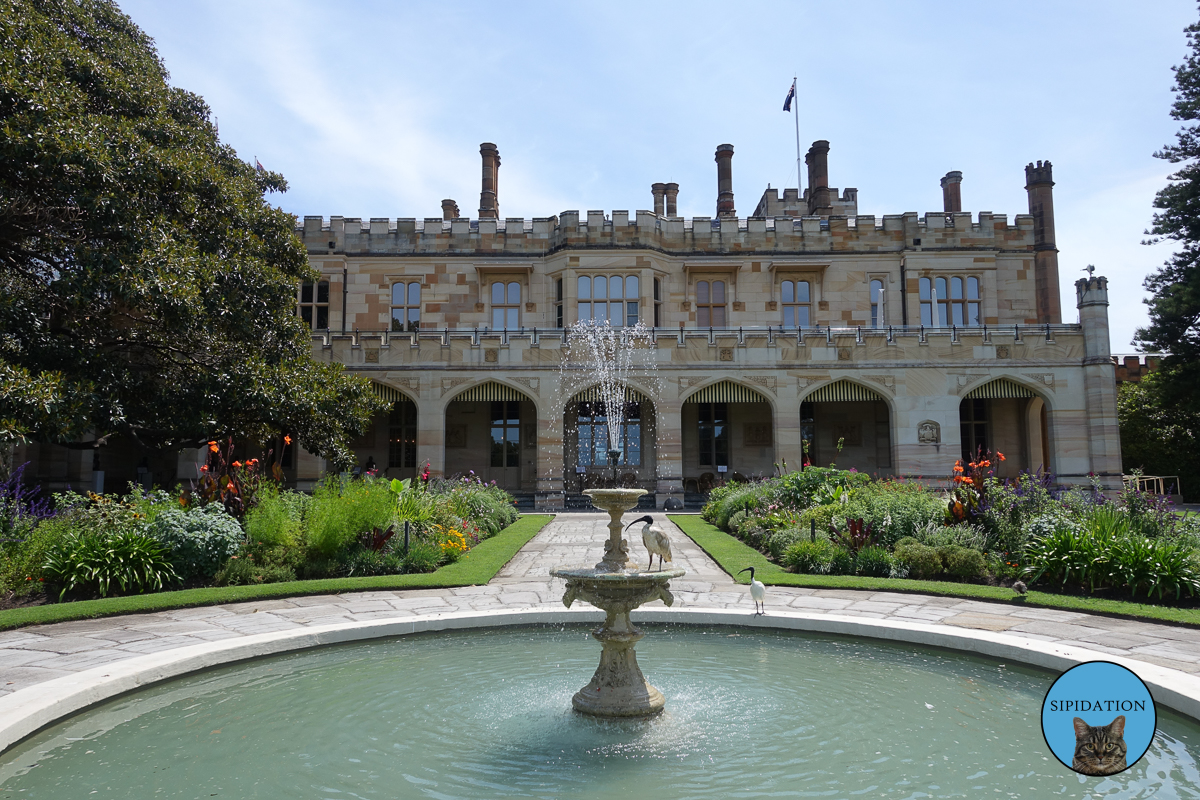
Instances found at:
x=592 y=435
x=314 y=304
x=406 y=306
x=710 y=304
x=506 y=305
x=796 y=303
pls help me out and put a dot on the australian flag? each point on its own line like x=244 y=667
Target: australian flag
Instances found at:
x=791 y=95
x=258 y=167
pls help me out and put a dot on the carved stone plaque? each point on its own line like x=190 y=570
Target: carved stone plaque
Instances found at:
x=929 y=432
x=727 y=354
x=491 y=355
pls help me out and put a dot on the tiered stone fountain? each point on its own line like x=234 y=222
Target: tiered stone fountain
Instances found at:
x=618 y=689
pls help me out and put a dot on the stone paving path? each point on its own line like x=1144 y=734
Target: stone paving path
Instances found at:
x=31 y=655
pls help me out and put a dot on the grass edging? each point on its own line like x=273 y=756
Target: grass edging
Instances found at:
x=733 y=555
x=479 y=566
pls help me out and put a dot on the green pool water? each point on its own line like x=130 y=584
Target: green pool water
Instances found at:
x=487 y=714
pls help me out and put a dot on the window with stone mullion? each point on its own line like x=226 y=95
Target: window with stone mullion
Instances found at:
x=406 y=306
x=608 y=298
x=957 y=298
x=710 y=304
x=313 y=304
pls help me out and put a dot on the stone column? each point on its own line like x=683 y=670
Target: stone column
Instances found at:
x=787 y=426
x=309 y=468
x=1039 y=183
x=550 y=467
x=951 y=192
x=431 y=436
x=1104 y=439
x=658 y=190
x=724 y=159
x=672 y=190
x=669 y=450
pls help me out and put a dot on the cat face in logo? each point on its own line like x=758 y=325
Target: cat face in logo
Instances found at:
x=1099 y=750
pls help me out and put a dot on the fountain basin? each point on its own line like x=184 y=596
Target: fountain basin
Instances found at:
x=484 y=714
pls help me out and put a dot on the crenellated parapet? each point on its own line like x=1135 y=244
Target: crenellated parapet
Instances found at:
x=862 y=233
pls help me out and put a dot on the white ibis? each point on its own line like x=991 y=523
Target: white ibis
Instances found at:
x=655 y=539
x=758 y=592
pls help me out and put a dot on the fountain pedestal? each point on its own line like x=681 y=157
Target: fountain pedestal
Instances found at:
x=618 y=689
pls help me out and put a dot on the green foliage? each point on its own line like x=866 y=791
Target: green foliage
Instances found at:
x=894 y=508
x=1159 y=436
x=22 y=558
x=488 y=507
x=340 y=510
x=874 y=562
x=841 y=561
x=963 y=563
x=1103 y=553
x=735 y=522
x=422 y=557
x=245 y=571
x=199 y=540
x=922 y=561
x=809 y=558
x=148 y=288
x=122 y=562
x=819 y=485
x=275 y=520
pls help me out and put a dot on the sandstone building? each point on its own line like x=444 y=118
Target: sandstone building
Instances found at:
x=910 y=340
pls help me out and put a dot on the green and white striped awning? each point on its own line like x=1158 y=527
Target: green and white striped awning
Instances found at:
x=389 y=393
x=999 y=389
x=726 y=392
x=843 y=392
x=592 y=395
x=490 y=391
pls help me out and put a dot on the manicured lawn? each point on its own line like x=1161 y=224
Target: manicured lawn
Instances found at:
x=478 y=567
x=733 y=555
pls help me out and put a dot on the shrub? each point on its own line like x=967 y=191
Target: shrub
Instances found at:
x=735 y=522
x=199 y=539
x=841 y=561
x=779 y=542
x=22 y=558
x=340 y=510
x=895 y=509
x=922 y=561
x=809 y=558
x=275 y=520
x=965 y=564
x=123 y=562
x=802 y=489
x=873 y=562
x=422 y=557
x=244 y=571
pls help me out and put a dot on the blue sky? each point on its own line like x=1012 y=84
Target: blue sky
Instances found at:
x=378 y=109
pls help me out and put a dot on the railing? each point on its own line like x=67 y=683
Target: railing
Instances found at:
x=820 y=334
x=1156 y=484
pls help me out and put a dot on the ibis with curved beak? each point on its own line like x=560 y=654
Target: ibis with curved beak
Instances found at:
x=655 y=539
x=758 y=592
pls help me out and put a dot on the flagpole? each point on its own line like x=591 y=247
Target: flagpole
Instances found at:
x=796 y=111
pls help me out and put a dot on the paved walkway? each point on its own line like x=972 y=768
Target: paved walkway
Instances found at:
x=32 y=655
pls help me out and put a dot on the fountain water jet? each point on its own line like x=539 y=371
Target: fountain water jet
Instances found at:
x=618 y=688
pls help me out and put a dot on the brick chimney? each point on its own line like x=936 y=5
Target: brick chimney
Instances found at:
x=672 y=195
x=449 y=209
x=724 y=158
x=951 y=194
x=489 y=203
x=1039 y=183
x=817 y=159
x=659 y=191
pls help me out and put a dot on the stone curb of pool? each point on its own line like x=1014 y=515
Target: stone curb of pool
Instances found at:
x=28 y=710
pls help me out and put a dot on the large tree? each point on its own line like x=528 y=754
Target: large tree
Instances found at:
x=147 y=289
x=1175 y=305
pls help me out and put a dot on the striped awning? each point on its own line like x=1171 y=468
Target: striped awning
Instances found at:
x=490 y=391
x=999 y=389
x=843 y=392
x=389 y=393
x=592 y=395
x=726 y=392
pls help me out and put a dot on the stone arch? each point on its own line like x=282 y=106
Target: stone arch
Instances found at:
x=583 y=468
x=1006 y=410
x=728 y=391
x=389 y=446
x=490 y=427
x=741 y=442
x=862 y=416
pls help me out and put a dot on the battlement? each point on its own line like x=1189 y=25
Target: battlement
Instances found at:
x=1042 y=172
x=644 y=229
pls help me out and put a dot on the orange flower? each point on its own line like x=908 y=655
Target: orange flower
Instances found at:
x=237 y=463
x=287 y=440
x=213 y=447
x=968 y=480
x=204 y=468
x=985 y=463
x=999 y=455
x=958 y=468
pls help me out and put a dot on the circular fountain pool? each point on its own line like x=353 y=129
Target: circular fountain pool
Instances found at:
x=488 y=714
